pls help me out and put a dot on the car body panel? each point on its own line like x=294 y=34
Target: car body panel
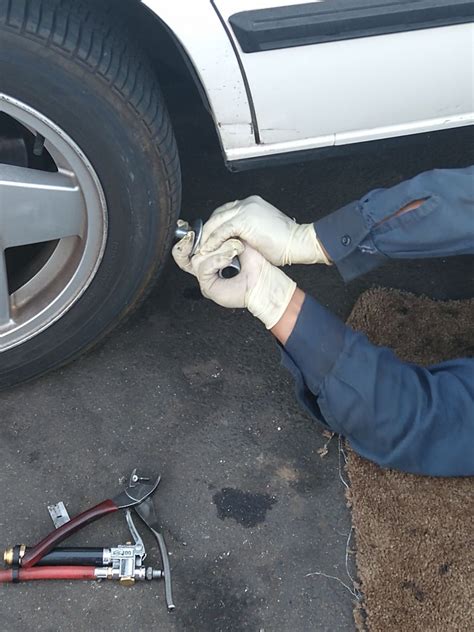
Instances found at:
x=326 y=94
x=200 y=32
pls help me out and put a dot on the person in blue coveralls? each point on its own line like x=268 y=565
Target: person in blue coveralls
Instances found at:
x=397 y=414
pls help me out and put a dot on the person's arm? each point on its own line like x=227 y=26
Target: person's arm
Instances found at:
x=397 y=414
x=431 y=215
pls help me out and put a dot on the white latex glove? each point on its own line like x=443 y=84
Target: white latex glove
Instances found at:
x=277 y=237
x=260 y=287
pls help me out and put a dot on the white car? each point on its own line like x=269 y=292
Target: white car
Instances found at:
x=89 y=169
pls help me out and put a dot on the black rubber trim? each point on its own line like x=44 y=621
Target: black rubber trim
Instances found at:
x=283 y=159
x=334 y=20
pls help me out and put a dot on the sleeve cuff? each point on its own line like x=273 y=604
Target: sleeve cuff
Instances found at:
x=315 y=343
x=341 y=234
x=363 y=234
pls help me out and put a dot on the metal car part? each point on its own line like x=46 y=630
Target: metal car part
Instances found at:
x=66 y=206
x=302 y=96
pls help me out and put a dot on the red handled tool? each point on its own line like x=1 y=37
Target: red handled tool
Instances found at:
x=139 y=488
x=123 y=562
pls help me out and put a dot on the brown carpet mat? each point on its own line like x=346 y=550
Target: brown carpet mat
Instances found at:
x=414 y=534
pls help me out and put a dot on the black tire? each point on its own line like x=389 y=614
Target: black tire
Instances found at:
x=73 y=61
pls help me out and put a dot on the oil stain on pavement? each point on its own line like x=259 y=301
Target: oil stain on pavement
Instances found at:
x=245 y=508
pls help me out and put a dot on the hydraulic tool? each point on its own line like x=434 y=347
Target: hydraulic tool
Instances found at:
x=124 y=563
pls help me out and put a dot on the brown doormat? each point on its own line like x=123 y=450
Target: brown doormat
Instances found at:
x=414 y=534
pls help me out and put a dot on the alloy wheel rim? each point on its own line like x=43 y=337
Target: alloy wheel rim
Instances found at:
x=66 y=208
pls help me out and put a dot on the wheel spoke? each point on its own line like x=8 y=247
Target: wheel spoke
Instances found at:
x=38 y=206
x=64 y=210
x=4 y=295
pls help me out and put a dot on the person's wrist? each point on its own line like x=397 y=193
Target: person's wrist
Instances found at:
x=283 y=329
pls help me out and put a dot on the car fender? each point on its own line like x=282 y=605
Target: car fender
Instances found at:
x=204 y=39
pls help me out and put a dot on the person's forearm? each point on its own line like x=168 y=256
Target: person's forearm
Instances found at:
x=430 y=215
x=392 y=412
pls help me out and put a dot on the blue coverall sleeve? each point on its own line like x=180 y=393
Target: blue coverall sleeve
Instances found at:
x=397 y=414
x=368 y=232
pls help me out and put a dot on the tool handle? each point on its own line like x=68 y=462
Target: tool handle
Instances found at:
x=35 y=553
x=166 y=568
x=49 y=572
x=81 y=556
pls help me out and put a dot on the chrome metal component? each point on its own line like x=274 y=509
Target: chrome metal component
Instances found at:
x=66 y=206
x=121 y=552
x=232 y=270
x=106 y=557
x=102 y=573
x=139 y=574
x=139 y=546
x=151 y=573
x=183 y=228
x=59 y=514
x=135 y=478
x=126 y=560
x=126 y=569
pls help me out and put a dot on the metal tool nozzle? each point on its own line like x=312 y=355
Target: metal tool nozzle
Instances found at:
x=183 y=228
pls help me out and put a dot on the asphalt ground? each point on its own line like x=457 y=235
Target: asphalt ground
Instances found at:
x=249 y=509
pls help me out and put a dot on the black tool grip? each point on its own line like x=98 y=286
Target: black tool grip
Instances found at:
x=83 y=556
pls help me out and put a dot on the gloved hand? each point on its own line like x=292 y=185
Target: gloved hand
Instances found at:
x=260 y=287
x=277 y=237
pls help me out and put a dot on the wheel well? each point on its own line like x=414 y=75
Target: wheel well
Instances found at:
x=183 y=91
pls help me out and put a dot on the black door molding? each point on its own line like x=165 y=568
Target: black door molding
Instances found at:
x=318 y=22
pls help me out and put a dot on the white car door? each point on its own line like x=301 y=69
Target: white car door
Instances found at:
x=328 y=73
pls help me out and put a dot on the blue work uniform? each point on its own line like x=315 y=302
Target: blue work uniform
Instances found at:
x=397 y=414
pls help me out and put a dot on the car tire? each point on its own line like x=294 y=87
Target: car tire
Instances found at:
x=73 y=62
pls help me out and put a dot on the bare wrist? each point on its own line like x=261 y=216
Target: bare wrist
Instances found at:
x=284 y=327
